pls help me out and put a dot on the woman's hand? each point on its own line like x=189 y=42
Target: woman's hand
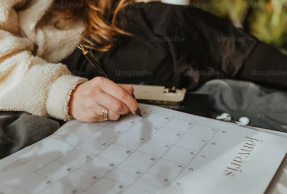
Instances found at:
x=89 y=99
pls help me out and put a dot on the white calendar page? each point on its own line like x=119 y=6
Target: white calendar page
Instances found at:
x=163 y=152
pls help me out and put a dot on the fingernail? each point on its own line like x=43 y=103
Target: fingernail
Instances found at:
x=138 y=112
x=133 y=96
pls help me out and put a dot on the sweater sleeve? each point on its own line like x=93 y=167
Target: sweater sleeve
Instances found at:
x=27 y=82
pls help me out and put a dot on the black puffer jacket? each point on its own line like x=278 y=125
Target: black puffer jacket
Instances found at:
x=175 y=45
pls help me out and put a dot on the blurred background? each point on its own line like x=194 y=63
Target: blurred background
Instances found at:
x=264 y=19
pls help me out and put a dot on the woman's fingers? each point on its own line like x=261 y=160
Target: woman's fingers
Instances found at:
x=113 y=116
x=121 y=94
x=98 y=110
x=111 y=103
x=89 y=99
x=96 y=114
x=128 y=88
x=92 y=117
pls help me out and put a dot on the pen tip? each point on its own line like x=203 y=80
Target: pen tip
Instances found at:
x=138 y=112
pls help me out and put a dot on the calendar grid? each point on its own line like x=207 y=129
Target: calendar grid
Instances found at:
x=108 y=146
x=133 y=151
x=190 y=150
x=49 y=163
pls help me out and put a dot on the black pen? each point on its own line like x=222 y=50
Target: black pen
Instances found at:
x=94 y=62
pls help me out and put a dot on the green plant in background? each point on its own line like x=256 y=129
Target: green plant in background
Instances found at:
x=235 y=10
x=269 y=22
x=265 y=19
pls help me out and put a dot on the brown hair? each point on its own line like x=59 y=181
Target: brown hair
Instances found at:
x=99 y=17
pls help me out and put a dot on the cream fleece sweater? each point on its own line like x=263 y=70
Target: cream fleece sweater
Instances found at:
x=31 y=80
x=30 y=46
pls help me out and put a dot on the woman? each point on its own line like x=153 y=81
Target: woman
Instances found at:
x=155 y=43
